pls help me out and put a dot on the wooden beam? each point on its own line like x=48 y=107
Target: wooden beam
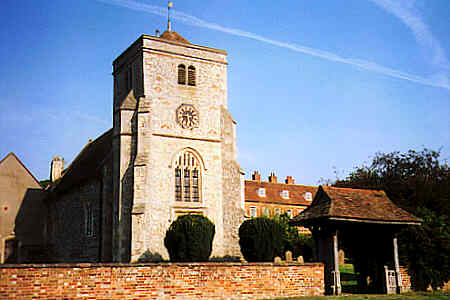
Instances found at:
x=397 y=266
x=337 y=275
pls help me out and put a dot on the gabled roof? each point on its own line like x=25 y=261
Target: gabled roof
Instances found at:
x=11 y=155
x=354 y=205
x=87 y=163
x=273 y=192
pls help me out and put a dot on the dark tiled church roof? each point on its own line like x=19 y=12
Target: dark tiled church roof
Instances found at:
x=354 y=205
x=87 y=164
x=173 y=36
x=273 y=192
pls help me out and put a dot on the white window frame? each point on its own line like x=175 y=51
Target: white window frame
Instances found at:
x=284 y=194
x=308 y=196
x=253 y=211
x=262 y=192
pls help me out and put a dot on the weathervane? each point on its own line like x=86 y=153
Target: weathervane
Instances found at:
x=169 y=5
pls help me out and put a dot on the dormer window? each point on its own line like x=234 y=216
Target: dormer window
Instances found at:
x=262 y=192
x=285 y=194
x=308 y=196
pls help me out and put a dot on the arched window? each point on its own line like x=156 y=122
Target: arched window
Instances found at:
x=181 y=74
x=187 y=178
x=191 y=75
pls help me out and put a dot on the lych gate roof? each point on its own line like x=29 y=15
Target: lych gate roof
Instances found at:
x=355 y=205
x=273 y=192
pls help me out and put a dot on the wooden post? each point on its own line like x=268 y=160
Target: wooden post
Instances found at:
x=397 y=266
x=337 y=275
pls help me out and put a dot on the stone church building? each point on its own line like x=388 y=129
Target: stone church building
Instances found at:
x=171 y=151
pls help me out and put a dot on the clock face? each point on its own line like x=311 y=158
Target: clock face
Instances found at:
x=187 y=116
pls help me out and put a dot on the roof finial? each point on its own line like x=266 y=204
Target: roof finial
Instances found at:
x=169 y=26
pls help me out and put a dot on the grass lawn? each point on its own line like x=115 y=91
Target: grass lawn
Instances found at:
x=408 y=296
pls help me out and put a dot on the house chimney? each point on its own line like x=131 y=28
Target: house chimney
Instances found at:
x=272 y=178
x=256 y=176
x=56 y=168
x=289 y=180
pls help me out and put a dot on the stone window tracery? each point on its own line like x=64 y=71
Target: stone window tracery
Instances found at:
x=187 y=178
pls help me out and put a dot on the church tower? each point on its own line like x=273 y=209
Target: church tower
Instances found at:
x=174 y=145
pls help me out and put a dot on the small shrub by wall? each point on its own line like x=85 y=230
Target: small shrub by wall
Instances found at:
x=261 y=239
x=161 y=281
x=189 y=239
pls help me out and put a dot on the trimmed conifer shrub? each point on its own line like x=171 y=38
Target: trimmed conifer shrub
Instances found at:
x=261 y=239
x=189 y=239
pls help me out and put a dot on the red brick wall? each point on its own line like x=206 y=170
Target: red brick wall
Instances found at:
x=406 y=280
x=161 y=281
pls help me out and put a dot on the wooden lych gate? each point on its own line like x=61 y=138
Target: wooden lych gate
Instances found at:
x=369 y=221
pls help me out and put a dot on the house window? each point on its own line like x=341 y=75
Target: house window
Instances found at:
x=266 y=211
x=191 y=75
x=285 y=194
x=181 y=74
x=262 y=192
x=289 y=213
x=308 y=196
x=277 y=211
x=253 y=212
x=89 y=220
x=187 y=178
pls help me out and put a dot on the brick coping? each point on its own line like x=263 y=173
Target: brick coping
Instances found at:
x=161 y=264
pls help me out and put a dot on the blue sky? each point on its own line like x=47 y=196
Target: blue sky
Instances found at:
x=316 y=87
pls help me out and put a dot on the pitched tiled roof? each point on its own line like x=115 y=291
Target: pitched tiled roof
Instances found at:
x=173 y=36
x=355 y=205
x=87 y=164
x=273 y=192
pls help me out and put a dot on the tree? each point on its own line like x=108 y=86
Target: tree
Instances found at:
x=418 y=182
x=298 y=244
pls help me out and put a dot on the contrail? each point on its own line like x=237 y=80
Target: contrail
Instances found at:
x=191 y=20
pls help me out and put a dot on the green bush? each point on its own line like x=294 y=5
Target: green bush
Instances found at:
x=189 y=238
x=148 y=256
x=261 y=239
x=226 y=258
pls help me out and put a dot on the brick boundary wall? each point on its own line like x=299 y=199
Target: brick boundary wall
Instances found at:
x=161 y=281
x=406 y=280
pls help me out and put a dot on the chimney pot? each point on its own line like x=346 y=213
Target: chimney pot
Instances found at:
x=256 y=176
x=289 y=180
x=56 y=168
x=272 y=178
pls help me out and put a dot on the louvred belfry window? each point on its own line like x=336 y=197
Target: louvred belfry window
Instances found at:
x=191 y=75
x=181 y=74
x=187 y=178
